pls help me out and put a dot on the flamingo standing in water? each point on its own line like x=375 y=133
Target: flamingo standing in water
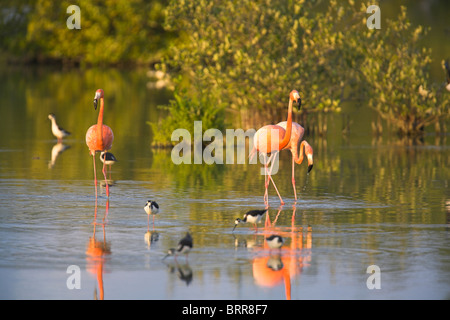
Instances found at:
x=273 y=138
x=99 y=137
x=296 y=136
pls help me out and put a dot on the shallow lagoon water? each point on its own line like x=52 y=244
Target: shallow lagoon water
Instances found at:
x=365 y=203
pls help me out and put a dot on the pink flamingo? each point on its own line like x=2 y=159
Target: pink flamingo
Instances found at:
x=270 y=139
x=99 y=137
x=296 y=136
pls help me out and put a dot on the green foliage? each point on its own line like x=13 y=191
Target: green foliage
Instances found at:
x=397 y=71
x=112 y=31
x=13 y=22
x=253 y=53
x=182 y=112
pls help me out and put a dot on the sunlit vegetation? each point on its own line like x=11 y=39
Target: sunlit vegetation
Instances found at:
x=397 y=76
x=248 y=55
x=112 y=32
x=182 y=112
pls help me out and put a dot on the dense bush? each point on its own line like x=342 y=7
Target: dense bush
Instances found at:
x=182 y=111
x=252 y=53
x=396 y=72
x=113 y=32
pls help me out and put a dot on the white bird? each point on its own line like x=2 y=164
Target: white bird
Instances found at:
x=57 y=131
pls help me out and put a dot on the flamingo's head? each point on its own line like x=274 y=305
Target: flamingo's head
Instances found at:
x=295 y=97
x=97 y=97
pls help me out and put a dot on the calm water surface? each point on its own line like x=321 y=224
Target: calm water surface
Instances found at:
x=365 y=203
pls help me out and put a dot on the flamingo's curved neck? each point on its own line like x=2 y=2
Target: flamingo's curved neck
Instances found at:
x=287 y=136
x=298 y=159
x=100 y=120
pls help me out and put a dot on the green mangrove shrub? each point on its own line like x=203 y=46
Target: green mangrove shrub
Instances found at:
x=250 y=54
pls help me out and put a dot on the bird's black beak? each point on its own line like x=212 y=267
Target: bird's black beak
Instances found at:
x=95 y=103
x=310 y=168
x=299 y=103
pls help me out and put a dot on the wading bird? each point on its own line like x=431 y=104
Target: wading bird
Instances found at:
x=270 y=139
x=296 y=136
x=253 y=216
x=57 y=131
x=109 y=159
x=152 y=208
x=184 y=246
x=99 y=137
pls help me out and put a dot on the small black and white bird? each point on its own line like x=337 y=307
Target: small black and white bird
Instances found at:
x=108 y=158
x=275 y=241
x=252 y=216
x=151 y=208
x=184 y=247
x=57 y=131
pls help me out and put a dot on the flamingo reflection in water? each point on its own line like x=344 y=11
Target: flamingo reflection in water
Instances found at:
x=274 y=267
x=96 y=253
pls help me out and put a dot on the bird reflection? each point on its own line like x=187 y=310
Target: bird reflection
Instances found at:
x=275 y=262
x=57 y=149
x=97 y=252
x=272 y=267
x=110 y=183
x=151 y=237
x=184 y=271
x=248 y=242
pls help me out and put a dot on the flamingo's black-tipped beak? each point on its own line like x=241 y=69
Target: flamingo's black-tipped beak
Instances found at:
x=310 y=167
x=95 y=103
x=299 y=103
x=234 y=227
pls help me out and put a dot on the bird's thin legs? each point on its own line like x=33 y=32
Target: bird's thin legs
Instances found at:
x=293 y=178
x=270 y=177
x=106 y=181
x=95 y=176
x=266 y=181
